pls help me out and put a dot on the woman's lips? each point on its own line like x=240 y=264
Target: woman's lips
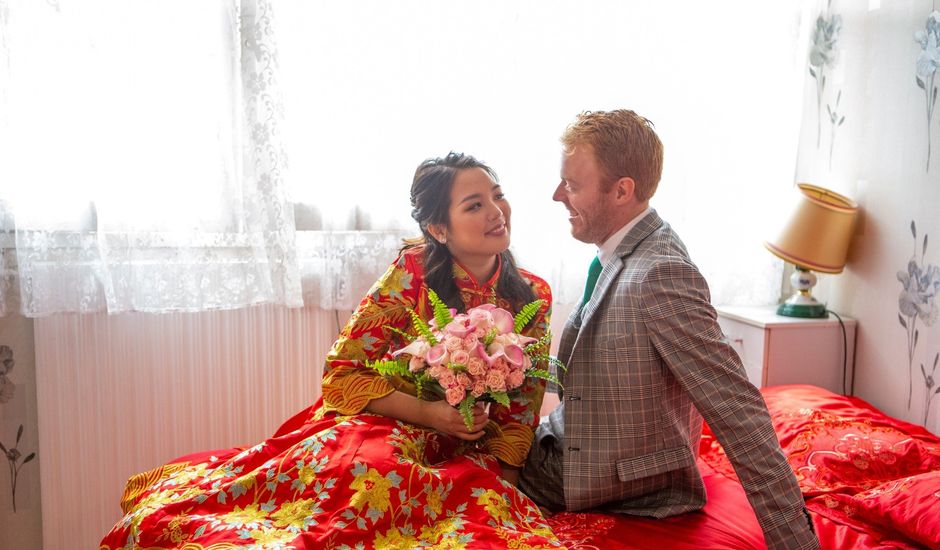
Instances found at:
x=498 y=231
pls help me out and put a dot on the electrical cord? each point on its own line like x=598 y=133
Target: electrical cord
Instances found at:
x=845 y=357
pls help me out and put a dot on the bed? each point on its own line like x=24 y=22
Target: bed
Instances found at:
x=870 y=481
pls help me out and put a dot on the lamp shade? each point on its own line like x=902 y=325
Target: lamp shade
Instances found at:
x=817 y=234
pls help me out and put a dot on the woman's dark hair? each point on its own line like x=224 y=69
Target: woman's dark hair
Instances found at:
x=430 y=205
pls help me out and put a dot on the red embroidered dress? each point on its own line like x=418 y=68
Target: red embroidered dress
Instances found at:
x=334 y=476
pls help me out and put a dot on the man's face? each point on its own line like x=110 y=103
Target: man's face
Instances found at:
x=591 y=210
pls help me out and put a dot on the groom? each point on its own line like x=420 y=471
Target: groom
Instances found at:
x=646 y=358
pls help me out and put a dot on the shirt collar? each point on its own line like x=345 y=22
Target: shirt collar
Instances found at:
x=607 y=251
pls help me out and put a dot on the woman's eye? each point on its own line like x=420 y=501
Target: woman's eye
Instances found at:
x=500 y=196
x=474 y=206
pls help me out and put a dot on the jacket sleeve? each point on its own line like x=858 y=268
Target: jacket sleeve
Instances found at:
x=511 y=430
x=348 y=385
x=684 y=330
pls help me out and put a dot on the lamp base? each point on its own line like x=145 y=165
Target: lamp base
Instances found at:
x=806 y=311
x=802 y=304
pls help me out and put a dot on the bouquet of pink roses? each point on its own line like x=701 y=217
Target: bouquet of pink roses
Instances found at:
x=477 y=355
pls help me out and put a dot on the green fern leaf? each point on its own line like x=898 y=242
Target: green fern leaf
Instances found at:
x=489 y=337
x=466 y=411
x=441 y=312
x=500 y=397
x=558 y=364
x=544 y=375
x=544 y=342
x=422 y=327
x=544 y=357
x=526 y=314
x=389 y=367
x=408 y=337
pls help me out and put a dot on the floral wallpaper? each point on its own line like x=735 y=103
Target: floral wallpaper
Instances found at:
x=860 y=56
x=917 y=302
x=822 y=59
x=14 y=456
x=928 y=61
x=20 y=501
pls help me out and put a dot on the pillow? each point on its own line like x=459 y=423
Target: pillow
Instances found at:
x=907 y=506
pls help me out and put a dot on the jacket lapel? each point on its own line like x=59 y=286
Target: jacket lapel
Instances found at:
x=650 y=223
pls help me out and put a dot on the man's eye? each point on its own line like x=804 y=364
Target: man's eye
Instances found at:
x=500 y=196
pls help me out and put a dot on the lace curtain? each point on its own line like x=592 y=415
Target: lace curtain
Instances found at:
x=144 y=166
x=145 y=145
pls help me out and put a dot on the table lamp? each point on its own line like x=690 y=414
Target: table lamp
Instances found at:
x=815 y=238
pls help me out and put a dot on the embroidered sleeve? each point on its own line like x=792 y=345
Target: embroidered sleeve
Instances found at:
x=510 y=432
x=348 y=385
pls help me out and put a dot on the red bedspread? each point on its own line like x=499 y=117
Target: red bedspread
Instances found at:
x=871 y=481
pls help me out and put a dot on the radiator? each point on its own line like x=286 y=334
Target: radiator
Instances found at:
x=120 y=394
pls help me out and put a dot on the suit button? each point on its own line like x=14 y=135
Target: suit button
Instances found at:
x=574 y=448
x=574 y=398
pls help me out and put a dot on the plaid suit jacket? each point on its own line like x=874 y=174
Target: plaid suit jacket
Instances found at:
x=646 y=362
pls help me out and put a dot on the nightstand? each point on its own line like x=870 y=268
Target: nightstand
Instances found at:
x=789 y=350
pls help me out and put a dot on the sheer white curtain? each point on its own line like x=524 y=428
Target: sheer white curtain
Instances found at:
x=142 y=160
x=374 y=87
x=143 y=143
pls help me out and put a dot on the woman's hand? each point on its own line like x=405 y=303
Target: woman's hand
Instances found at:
x=447 y=420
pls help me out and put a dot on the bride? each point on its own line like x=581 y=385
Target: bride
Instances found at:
x=371 y=465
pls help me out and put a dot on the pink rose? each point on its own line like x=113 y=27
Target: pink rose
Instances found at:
x=515 y=379
x=454 y=395
x=460 y=357
x=452 y=343
x=501 y=366
x=460 y=326
x=496 y=381
x=448 y=379
x=470 y=344
x=478 y=388
x=463 y=380
x=476 y=366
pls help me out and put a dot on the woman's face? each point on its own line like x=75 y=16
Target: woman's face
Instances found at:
x=479 y=217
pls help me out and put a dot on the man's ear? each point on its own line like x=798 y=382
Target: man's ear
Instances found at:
x=624 y=190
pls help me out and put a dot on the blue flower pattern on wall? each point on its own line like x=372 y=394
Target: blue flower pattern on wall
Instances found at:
x=928 y=61
x=15 y=458
x=822 y=57
x=917 y=301
x=7 y=387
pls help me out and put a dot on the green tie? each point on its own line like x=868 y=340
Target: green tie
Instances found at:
x=593 y=273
